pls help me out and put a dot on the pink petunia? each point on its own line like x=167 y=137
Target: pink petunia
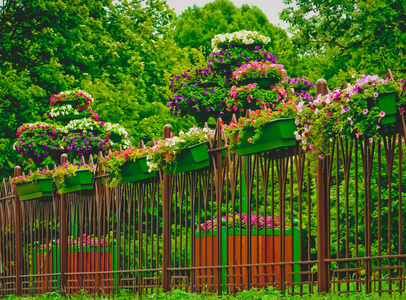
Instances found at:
x=375 y=95
x=382 y=114
x=365 y=111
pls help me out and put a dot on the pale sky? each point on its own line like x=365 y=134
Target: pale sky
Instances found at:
x=270 y=7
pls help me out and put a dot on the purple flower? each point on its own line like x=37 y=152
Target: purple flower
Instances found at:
x=212 y=90
x=204 y=93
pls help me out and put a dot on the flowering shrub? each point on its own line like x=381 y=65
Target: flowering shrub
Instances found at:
x=257 y=119
x=66 y=170
x=257 y=69
x=81 y=98
x=115 y=160
x=166 y=151
x=80 y=144
x=243 y=37
x=44 y=174
x=38 y=140
x=257 y=221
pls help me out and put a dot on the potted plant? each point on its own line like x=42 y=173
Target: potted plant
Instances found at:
x=86 y=125
x=265 y=74
x=265 y=234
x=39 y=140
x=127 y=166
x=83 y=144
x=187 y=152
x=66 y=112
x=117 y=135
x=231 y=58
x=299 y=87
x=264 y=130
x=82 y=250
x=243 y=39
x=253 y=97
x=71 y=178
x=199 y=102
x=79 y=99
x=36 y=185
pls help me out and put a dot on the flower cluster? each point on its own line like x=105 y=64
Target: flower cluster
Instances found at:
x=79 y=97
x=243 y=37
x=255 y=69
x=251 y=96
x=44 y=174
x=88 y=240
x=235 y=221
x=40 y=127
x=256 y=121
x=195 y=98
x=80 y=144
x=165 y=151
x=66 y=110
x=116 y=159
x=85 y=125
x=197 y=76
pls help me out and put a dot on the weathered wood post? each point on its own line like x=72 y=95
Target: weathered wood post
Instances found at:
x=18 y=234
x=166 y=248
x=322 y=210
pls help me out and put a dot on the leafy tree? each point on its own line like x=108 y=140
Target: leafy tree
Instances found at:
x=119 y=51
x=368 y=35
x=196 y=26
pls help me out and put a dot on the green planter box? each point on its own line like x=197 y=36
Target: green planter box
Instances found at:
x=193 y=158
x=265 y=248
x=136 y=170
x=275 y=134
x=263 y=83
x=31 y=190
x=83 y=180
x=47 y=261
x=387 y=103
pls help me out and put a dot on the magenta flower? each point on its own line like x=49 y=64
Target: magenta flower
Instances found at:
x=401 y=110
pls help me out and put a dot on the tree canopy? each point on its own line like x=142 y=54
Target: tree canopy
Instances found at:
x=368 y=35
x=119 y=51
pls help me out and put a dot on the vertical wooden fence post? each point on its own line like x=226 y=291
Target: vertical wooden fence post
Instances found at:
x=18 y=238
x=166 y=248
x=63 y=239
x=322 y=211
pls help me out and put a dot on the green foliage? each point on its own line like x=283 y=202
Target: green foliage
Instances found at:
x=336 y=36
x=44 y=174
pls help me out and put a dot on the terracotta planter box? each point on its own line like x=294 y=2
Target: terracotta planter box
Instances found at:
x=31 y=190
x=47 y=261
x=83 y=180
x=193 y=158
x=265 y=248
x=275 y=135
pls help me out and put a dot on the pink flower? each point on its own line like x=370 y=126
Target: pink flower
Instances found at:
x=375 y=95
x=365 y=111
x=401 y=110
x=371 y=140
x=249 y=140
x=382 y=114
